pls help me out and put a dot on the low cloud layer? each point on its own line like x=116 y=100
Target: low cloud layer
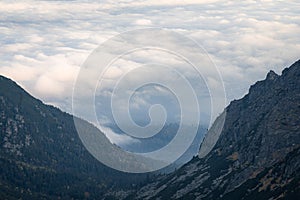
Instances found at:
x=44 y=43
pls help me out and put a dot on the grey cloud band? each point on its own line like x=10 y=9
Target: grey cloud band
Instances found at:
x=184 y=78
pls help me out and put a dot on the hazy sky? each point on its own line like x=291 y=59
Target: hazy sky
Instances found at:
x=44 y=43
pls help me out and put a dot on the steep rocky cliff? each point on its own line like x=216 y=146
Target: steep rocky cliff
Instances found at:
x=257 y=155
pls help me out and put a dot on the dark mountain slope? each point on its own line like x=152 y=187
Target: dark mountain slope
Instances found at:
x=42 y=156
x=256 y=155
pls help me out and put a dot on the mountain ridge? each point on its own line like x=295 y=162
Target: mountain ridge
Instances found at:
x=42 y=155
x=261 y=134
x=256 y=155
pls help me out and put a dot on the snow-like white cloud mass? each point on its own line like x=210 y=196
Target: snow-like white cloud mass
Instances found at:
x=44 y=43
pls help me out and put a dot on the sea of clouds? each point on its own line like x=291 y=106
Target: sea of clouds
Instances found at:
x=44 y=43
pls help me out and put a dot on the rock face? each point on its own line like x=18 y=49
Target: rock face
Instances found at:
x=257 y=155
x=42 y=156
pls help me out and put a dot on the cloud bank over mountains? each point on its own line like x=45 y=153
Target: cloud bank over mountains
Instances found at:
x=44 y=43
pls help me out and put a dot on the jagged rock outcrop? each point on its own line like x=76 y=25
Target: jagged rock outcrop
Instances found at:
x=256 y=155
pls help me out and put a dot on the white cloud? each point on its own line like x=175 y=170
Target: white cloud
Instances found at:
x=143 y=22
x=118 y=138
x=44 y=43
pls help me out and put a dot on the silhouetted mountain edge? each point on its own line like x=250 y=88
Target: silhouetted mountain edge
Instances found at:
x=256 y=155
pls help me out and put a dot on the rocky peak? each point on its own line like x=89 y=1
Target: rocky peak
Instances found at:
x=271 y=75
x=255 y=155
